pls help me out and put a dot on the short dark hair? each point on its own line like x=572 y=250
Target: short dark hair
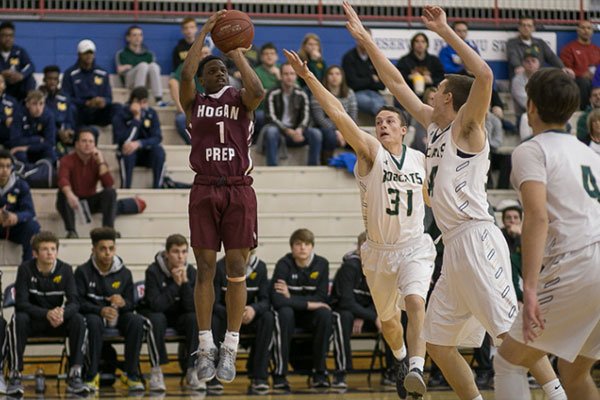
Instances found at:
x=267 y=46
x=302 y=235
x=175 y=240
x=460 y=22
x=205 y=61
x=460 y=87
x=132 y=27
x=51 y=68
x=4 y=154
x=187 y=20
x=401 y=115
x=139 y=93
x=103 y=233
x=415 y=36
x=554 y=94
x=84 y=129
x=7 y=25
x=44 y=236
x=512 y=208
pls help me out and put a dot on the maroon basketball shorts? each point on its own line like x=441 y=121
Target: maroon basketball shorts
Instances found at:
x=223 y=214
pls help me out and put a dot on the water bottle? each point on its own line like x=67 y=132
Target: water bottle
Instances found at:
x=40 y=381
x=418 y=83
x=112 y=323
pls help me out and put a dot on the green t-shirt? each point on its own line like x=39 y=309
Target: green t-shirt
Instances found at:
x=268 y=80
x=177 y=76
x=128 y=57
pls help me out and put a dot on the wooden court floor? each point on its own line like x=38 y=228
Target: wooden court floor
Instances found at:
x=358 y=389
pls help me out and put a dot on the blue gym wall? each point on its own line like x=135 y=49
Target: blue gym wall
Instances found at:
x=56 y=42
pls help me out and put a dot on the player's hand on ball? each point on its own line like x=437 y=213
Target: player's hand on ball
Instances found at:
x=240 y=51
x=296 y=62
x=212 y=20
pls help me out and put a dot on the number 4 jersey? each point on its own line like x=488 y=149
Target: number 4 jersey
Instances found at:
x=221 y=133
x=570 y=171
x=391 y=196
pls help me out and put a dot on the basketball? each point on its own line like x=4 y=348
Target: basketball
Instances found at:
x=232 y=31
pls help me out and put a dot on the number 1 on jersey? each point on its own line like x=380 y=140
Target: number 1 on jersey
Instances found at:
x=395 y=200
x=221 y=125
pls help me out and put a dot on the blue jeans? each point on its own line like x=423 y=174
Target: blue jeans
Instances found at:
x=369 y=101
x=273 y=135
x=180 y=126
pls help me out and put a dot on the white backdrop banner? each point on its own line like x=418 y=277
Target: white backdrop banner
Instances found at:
x=395 y=43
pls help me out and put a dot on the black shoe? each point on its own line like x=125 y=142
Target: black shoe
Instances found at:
x=415 y=384
x=281 y=383
x=72 y=235
x=484 y=380
x=15 y=384
x=319 y=381
x=214 y=385
x=259 y=387
x=339 y=380
x=401 y=372
x=75 y=382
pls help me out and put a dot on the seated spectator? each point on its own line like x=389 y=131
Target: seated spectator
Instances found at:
x=136 y=131
x=61 y=108
x=311 y=51
x=512 y=217
x=531 y=64
x=288 y=119
x=10 y=111
x=46 y=304
x=257 y=319
x=582 y=56
x=593 y=123
x=34 y=134
x=169 y=302
x=353 y=311
x=499 y=161
x=582 y=126
x=270 y=76
x=420 y=139
x=15 y=65
x=334 y=81
x=88 y=87
x=105 y=290
x=79 y=173
x=137 y=65
x=17 y=214
x=299 y=295
x=189 y=29
x=174 y=80
x=419 y=68
x=450 y=60
x=363 y=79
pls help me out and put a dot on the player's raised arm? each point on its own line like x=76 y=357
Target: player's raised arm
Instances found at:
x=470 y=120
x=253 y=91
x=365 y=145
x=387 y=72
x=187 y=89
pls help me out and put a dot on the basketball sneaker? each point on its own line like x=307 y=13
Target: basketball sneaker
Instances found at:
x=415 y=384
x=206 y=362
x=226 y=367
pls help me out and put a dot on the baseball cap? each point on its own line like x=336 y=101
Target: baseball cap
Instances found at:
x=86 y=45
x=531 y=52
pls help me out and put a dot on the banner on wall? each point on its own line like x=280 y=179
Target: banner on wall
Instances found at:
x=395 y=43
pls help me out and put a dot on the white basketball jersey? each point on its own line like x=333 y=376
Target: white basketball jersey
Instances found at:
x=456 y=181
x=392 y=198
x=571 y=172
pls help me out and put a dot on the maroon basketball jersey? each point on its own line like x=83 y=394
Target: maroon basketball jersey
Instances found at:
x=221 y=134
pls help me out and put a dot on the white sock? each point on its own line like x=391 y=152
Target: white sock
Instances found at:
x=416 y=362
x=510 y=381
x=480 y=397
x=232 y=340
x=206 y=340
x=554 y=390
x=400 y=354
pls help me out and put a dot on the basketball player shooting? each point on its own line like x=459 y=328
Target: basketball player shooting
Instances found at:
x=222 y=205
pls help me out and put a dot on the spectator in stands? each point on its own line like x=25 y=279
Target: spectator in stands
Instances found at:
x=61 y=108
x=299 y=295
x=363 y=79
x=288 y=118
x=15 y=65
x=420 y=139
x=311 y=51
x=450 y=60
x=34 y=134
x=499 y=161
x=174 y=80
x=353 y=310
x=79 y=173
x=515 y=49
x=137 y=133
x=258 y=319
x=4 y=344
x=512 y=217
x=105 y=290
x=582 y=56
x=17 y=214
x=137 y=65
x=582 y=127
x=593 y=125
x=270 y=76
x=10 y=111
x=169 y=302
x=419 y=68
x=189 y=29
x=334 y=81
x=88 y=87
x=531 y=64
x=46 y=304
